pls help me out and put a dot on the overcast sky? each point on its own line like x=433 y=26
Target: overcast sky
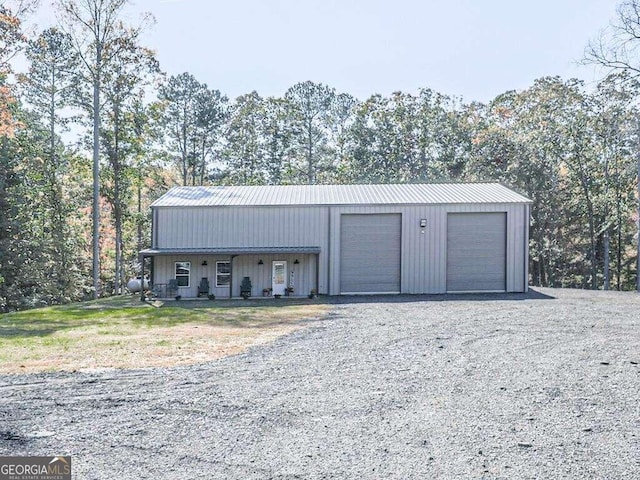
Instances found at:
x=476 y=49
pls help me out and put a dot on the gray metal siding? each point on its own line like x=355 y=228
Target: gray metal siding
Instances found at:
x=195 y=227
x=304 y=273
x=476 y=251
x=424 y=260
x=164 y=271
x=370 y=253
x=423 y=255
x=240 y=226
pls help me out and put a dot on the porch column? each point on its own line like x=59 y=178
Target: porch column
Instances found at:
x=231 y=275
x=317 y=274
x=142 y=257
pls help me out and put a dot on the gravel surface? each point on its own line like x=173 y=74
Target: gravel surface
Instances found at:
x=543 y=385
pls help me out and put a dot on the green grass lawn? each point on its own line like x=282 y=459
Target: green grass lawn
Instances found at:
x=122 y=332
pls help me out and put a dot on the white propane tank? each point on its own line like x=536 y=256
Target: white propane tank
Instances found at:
x=134 y=284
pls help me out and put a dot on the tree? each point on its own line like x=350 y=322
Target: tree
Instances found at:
x=617 y=49
x=12 y=41
x=614 y=116
x=244 y=141
x=522 y=139
x=148 y=183
x=341 y=118
x=381 y=151
x=10 y=248
x=47 y=88
x=277 y=133
x=123 y=87
x=193 y=118
x=569 y=151
x=98 y=36
x=405 y=138
x=309 y=110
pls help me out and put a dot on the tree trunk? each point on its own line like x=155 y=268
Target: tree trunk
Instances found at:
x=310 y=169
x=638 y=232
x=606 y=246
x=618 y=186
x=184 y=153
x=607 y=280
x=96 y=174
x=56 y=199
x=117 y=210
x=139 y=209
x=584 y=183
x=203 y=151
x=619 y=241
x=119 y=269
x=592 y=243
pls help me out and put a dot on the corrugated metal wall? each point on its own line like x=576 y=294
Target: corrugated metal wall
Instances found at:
x=164 y=269
x=301 y=277
x=246 y=227
x=423 y=254
x=429 y=249
x=241 y=226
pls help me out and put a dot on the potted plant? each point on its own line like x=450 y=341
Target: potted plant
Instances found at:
x=313 y=293
x=178 y=297
x=211 y=296
x=289 y=290
x=266 y=292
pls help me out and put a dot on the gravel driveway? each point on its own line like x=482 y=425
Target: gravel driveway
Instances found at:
x=544 y=385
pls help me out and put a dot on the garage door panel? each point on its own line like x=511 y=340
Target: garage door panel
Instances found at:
x=476 y=251
x=370 y=253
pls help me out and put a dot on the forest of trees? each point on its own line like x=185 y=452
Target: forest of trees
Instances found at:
x=572 y=149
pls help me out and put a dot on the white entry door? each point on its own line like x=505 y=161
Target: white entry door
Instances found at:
x=279 y=277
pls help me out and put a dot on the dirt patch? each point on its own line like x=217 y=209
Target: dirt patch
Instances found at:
x=158 y=347
x=104 y=336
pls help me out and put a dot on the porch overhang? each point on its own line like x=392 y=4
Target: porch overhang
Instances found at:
x=153 y=252
x=231 y=252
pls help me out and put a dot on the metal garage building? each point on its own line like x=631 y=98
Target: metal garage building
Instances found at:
x=341 y=239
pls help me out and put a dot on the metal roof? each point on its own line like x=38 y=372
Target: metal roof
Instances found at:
x=280 y=195
x=152 y=252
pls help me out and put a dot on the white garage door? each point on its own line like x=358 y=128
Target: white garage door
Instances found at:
x=476 y=252
x=370 y=253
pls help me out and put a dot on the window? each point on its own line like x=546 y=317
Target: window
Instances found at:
x=223 y=274
x=183 y=273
